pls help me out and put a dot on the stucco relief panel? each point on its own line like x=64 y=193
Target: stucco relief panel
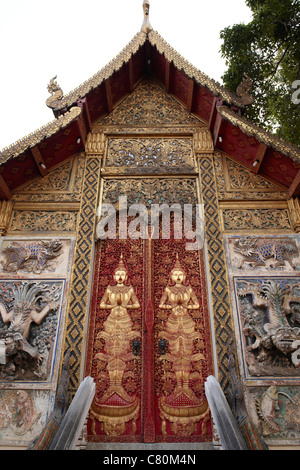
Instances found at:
x=34 y=285
x=22 y=415
x=265 y=287
x=248 y=255
x=275 y=411
x=32 y=256
x=265 y=292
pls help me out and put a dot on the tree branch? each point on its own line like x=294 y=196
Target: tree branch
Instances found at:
x=281 y=59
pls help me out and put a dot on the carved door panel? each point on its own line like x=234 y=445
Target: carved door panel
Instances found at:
x=182 y=357
x=149 y=348
x=114 y=356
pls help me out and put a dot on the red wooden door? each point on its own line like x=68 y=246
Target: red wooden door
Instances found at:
x=149 y=346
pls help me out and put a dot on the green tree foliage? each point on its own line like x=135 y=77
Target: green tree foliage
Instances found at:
x=268 y=50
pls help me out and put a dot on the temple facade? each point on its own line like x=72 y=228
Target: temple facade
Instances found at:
x=149 y=233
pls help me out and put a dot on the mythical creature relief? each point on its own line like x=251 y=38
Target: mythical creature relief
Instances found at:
x=276 y=411
x=33 y=256
x=264 y=254
x=29 y=311
x=269 y=315
x=22 y=415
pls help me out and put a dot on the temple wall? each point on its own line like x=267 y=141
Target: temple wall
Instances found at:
x=36 y=251
x=262 y=257
x=251 y=252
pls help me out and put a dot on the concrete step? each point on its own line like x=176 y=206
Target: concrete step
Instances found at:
x=184 y=446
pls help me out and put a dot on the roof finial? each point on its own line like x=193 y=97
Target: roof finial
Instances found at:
x=146 y=26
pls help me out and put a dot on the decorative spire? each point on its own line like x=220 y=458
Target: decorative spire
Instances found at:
x=146 y=26
x=121 y=266
x=177 y=266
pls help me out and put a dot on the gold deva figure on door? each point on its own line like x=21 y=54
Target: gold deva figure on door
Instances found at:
x=182 y=407
x=117 y=406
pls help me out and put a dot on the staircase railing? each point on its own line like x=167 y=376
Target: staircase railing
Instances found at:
x=226 y=425
x=74 y=419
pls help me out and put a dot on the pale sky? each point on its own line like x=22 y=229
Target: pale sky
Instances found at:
x=74 y=39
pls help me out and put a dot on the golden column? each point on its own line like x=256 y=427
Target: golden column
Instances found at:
x=294 y=213
x=6 y=209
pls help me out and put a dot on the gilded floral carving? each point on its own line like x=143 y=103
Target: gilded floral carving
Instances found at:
x=150 y=191
x=236 y=182
x=149 y=105
x=56 y=221
x=63 y=183
x=235 y=219
x=155 y=154
x=240 y=178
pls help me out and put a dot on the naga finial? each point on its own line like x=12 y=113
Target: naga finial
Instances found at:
x=146 y=26
x=243 y=91
x=56 y=93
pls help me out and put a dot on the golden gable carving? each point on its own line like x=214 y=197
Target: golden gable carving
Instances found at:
x=236 y=182
x=149 y=105
x=63 y=183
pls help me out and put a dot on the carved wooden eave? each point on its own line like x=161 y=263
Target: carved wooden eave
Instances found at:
x=257 y=149
x=149 y=55
x=140 y=41
x=265 y=137
x=32 y=155
x=101 y=77
x=191 y=72
x=35 y=138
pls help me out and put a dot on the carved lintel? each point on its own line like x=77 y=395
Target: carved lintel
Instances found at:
x=203 y=143
x=6 y=208
x=95 y=144
x=294 y=213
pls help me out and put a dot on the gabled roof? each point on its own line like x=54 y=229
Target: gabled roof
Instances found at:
x=148 y=55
